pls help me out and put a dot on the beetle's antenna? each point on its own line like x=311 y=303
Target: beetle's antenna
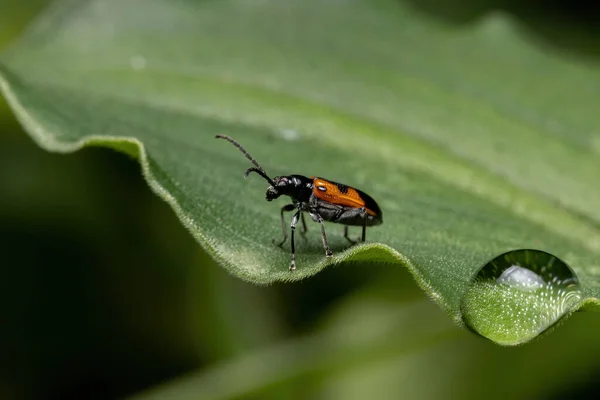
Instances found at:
x=258 y=169
x=261 y=173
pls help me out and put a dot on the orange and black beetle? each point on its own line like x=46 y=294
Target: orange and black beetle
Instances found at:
x=324 y=200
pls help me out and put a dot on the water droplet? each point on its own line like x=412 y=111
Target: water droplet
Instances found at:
x=518 y=295
x=137 y=62
x=521 y=277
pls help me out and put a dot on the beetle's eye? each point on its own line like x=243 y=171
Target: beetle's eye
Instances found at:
x=271 y=193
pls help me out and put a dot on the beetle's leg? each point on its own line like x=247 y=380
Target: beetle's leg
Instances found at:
x=328 y=252
x=293 y=226
x=364 y=230
x=289 y=207
x=363 y=214
x=348 y=237
x=304 y=228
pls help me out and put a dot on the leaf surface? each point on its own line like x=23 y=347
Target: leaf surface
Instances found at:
x=472 y=140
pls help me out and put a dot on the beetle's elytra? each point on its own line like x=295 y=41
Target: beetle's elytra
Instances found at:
x=322 y=199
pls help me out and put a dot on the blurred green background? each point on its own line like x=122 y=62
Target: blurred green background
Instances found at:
x=104 y=294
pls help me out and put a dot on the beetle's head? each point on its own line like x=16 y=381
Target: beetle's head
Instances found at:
x=281 y=186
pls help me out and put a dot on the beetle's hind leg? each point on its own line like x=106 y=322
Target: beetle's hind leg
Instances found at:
x=288 y=207
x=352 y=241
x=364 y=227
x=363 y=215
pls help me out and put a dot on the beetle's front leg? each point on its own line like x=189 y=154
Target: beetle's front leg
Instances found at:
x=287 y=207
x=293 y=226
x=304 y=227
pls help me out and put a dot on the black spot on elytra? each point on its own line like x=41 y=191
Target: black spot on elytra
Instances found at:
x=343 y=188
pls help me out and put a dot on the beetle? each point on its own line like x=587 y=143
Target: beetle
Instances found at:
x=322 y=199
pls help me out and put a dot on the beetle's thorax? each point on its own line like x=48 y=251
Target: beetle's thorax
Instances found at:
x=298 y=187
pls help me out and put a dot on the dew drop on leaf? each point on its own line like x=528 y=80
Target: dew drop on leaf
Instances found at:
x=518 y=295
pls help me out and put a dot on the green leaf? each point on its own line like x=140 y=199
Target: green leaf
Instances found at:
x=472 y=140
